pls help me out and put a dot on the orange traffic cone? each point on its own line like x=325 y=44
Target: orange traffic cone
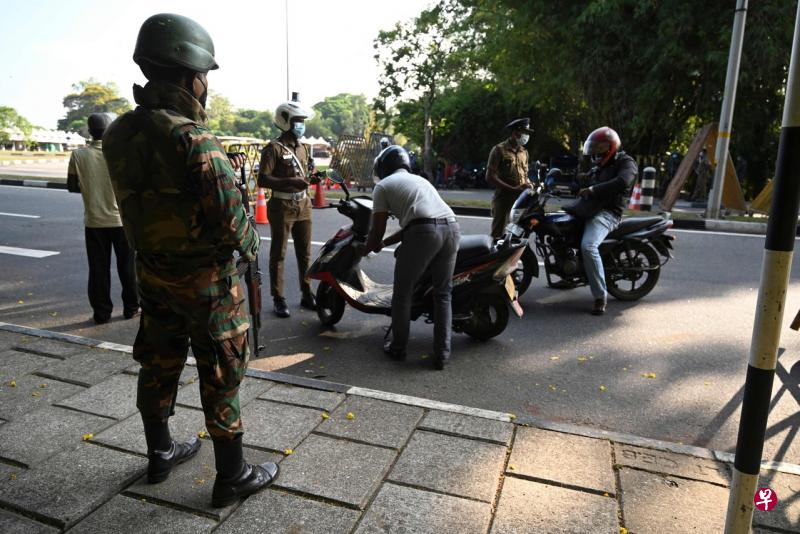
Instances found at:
x=261 y=208
x=636 y=198
x=319 y=196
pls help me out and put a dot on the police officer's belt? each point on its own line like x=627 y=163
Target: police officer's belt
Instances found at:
x=289 y=196
x=441 y=220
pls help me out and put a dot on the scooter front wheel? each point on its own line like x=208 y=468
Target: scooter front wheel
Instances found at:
x=330 y=305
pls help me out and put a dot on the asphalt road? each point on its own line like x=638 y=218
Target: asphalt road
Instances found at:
x=693 y=332
x=37 y=170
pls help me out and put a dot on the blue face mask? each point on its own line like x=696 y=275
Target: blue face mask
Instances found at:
x=299 y=128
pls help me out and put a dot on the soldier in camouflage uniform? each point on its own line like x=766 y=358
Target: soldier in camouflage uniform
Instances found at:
x=183 y=215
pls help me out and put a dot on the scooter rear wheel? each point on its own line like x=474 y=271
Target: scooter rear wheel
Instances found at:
x=489 y=317
x=330 y=305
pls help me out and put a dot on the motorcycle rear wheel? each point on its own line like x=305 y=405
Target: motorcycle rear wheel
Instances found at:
x=489 y=317
x=330 y=305
x=640 y=271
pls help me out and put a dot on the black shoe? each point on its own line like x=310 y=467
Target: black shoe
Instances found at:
x=130 y=313
x=281 y=309
x=162 y=462
x=439 y=362
x=599 y=307
x=101 y=319
x=252 y=479
x=308 y=301
x=399 y=355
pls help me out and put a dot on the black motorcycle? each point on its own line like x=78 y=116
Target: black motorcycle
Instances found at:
x=632 y=254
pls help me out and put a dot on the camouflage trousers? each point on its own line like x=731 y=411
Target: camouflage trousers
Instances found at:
x=199 y=309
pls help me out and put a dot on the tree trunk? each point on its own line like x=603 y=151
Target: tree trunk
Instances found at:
x=427 y=151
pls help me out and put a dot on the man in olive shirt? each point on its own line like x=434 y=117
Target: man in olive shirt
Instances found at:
x=87 y=174
x=285 y=164
x=507 y=171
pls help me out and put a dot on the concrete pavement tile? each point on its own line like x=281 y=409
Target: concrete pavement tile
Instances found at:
x=49 y=347
x=656 y=504
x=129 y=434
x=127 y=515
x=115 y=397
x=188 y=375
x=563 y=459
x=29 y=395
x=335 y=469
x=278 y=512
x=72 y=483
x=189 y=484
x=278 y=426
x=450 y=464
x=786 y=515
x=14 y=364
x=189 y=395
x=375 y=421
x=311 y=398
x=400 y=509
x=88 y=368
x=38 y=435
x=469 y=426
x=527 y=506
x=17 y=524
x=672 y=464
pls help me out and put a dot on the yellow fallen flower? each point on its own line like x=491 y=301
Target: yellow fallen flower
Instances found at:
x=88 y=437
x=623 y=530
x=554 y=358
x=602 y=387
x=42 y=386
x=512 y=467
x=34 y=393
x=13 y=383
x=582 y=358
x=350 y=415
x=325 y=415
x=649 y=375
x=201 y=434
x=20 y=302
x=512 y=416
x=288 y=452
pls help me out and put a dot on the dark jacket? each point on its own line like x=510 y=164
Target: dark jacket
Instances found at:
x=611 y=185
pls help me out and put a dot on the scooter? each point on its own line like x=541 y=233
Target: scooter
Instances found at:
x=483 y=289
x=632 y=254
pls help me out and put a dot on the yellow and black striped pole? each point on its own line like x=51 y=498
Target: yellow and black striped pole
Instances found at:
x=781 y=231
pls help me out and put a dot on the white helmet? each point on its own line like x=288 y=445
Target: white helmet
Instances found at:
x=291 y=110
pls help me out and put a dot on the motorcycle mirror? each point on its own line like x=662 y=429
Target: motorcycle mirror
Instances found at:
x=334 y=176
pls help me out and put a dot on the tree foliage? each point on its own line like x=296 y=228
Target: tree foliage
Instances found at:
x=342 y=114
x=87 y=97
x=11 y=120
x=652 y=69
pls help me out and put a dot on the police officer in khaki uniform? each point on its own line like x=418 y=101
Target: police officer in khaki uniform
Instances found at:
x=285 y=167
x=507 y=171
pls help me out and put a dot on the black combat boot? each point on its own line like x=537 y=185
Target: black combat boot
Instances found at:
x=163 y=453
x=308 y=301
x=235 y=477
x=281 y=309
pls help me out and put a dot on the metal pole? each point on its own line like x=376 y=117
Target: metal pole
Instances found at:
x=286 y=4
x=775 y=271
x=726 y=115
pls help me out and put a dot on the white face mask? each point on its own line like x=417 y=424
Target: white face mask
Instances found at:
x=523 y=139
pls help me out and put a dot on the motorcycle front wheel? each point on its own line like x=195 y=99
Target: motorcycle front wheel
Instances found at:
x=330 y=305
x=634 y=271
x=489 y=317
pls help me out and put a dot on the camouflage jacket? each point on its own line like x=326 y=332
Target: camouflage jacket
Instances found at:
x=175 y=186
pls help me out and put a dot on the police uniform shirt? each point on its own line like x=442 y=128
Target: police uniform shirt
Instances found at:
x=509 y=163
x=279 y=162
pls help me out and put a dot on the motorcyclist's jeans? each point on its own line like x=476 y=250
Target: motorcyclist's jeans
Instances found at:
x=595 y=231
x=425 y=246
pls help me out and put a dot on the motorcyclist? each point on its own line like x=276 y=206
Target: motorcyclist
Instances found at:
x=430 y=236
x=611 y=177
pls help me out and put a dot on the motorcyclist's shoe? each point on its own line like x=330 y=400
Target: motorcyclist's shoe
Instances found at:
x=160 y=463
x=599 y=307
x=308 y=301
x=399 y=355
x=281 y=309
x=440 y=361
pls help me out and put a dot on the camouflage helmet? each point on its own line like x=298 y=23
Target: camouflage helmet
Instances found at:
x=170 y=40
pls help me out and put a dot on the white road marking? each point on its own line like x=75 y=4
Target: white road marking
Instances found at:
x=21 y=215
x=715 y=232
x=27 y=252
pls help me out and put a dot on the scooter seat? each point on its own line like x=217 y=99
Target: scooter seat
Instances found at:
x=473 y=246
x=634 y=224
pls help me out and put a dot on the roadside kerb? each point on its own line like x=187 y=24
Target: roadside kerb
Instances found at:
x=524 y=420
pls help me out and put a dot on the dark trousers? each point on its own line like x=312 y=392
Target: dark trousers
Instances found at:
x=287 y=217
x=99 y=242
x=425 y=246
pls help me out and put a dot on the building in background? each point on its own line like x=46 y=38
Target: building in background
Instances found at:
x=41 y=139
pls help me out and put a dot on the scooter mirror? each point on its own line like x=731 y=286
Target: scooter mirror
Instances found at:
x=334 y=176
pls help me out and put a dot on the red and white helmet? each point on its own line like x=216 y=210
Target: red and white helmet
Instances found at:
x=602 y=145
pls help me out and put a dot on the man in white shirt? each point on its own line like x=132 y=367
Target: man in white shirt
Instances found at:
x=430 y=236
x=87 y=174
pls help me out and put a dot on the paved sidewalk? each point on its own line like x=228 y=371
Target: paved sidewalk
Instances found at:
x=72 y=459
